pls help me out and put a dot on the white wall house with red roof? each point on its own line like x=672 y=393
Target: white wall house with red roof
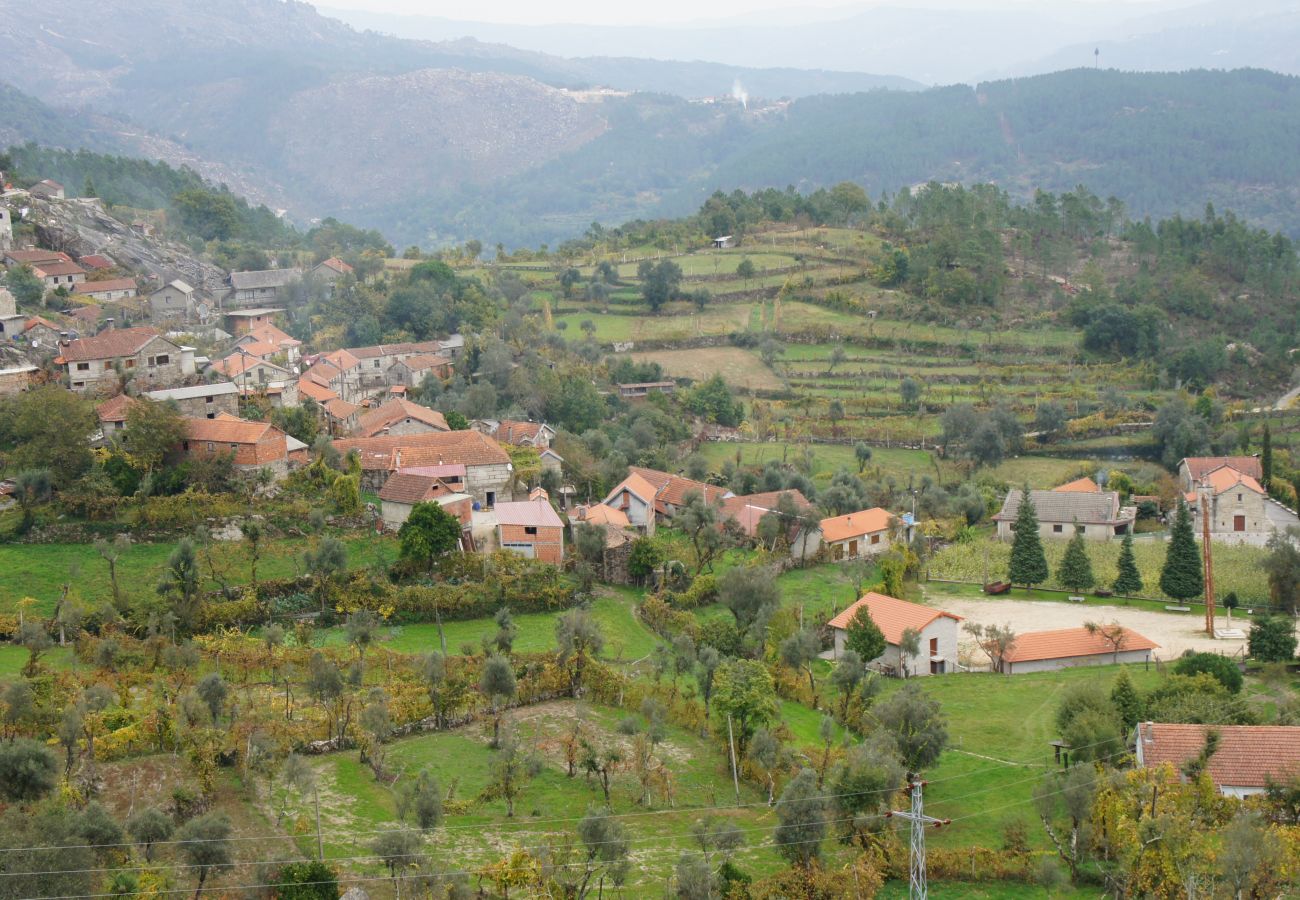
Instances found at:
x=938 y=629
x=858 y=534
x=1069 y=648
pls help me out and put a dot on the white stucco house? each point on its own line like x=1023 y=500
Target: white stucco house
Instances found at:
x=938 y=629
x=1067 y=648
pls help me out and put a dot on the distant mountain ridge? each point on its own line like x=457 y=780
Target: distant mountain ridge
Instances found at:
x=438 y=142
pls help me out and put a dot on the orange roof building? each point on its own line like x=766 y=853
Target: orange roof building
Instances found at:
x=937 y=629
x=1063 y=648
x=253 y=445
x=1083 y=485
x=489 y=473
x=1247 y=759
x=400 y=417
x=858 y=534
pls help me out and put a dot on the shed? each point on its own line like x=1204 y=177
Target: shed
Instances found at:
x=1064 y=648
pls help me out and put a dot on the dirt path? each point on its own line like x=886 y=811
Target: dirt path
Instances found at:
x=1174 y=632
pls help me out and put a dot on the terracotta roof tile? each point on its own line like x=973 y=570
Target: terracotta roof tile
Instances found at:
x=599 y=514
x=892 y=616
x=400 y=451
x=309 y=387
x=856 y=524
x=409 y=487
x=1225 y=478
x=1083 y=485
x=381 y=350
x=227 y=429
x=637 y=485
x=1066 y=642
x=394 y=411
x=1247 y=755
x=671 y=490
x=1200 y=466
x=36 y=256
x=111 y=344
x=58 y=267
x=114 y=409
x=108 y=284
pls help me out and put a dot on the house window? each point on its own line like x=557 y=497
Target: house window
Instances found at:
x=530 y=529
x=208 y=399
x=128 y=363
x=875 y=539
x=1057 y=529
x=163 y=360
x=376 y=364
x=83 y=367
x=1079 y=529
x=234 y=446
x=1239 y=498
x=185 y=445
x=211 y=446
x=491 y=499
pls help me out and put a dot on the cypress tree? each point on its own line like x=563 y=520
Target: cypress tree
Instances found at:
x=1126 y=701
x=1028 y=563
x=1075 y=571
x=1266 y=456
x=1129 y=581
x=1182 y=577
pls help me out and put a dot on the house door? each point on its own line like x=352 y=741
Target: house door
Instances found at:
x=936 y=665
x=853 y=548
x=1238 y=523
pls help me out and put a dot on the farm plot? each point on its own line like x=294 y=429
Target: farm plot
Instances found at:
x=739 y=368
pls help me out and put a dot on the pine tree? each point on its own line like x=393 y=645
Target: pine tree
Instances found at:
x=1182 y=577
x=1075 y=571
x=1266 y=456
x=1124 y=697
x=1028 y=563
x=1129 y=581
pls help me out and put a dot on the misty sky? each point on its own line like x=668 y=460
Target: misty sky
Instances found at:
x=666 y=12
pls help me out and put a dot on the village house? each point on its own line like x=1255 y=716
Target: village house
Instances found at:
x=14 y=258
x=59 y=274
x=112 y=416
x=175 y=301
x=42 y=334
x=489 y=474
x=107 y=290
x=330 y=270
x=1083 y=485
x=254 y=446
x=408 y=487
x=340 y=372
x=1193 y=469
x=859 y=534
x=6 y=228
x=243 y=321
x=531 y=528
x=803 y=534
x=1097 y=515
x=643 y=389
x=671 y=491
x=516 y=433
x=15 y=379
x=938 y=632
x=201 y=401
x=411 y=371
x=634 y=497
x=376 y=362
x=267 y=335
x=1067 y=648
x=400 y=417
x=48 y=189
x=250 y=372
x=1247 y=759
x=260 y=287
x=1240 y=509
x=142 y=353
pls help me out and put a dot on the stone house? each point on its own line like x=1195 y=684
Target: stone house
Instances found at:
x=142 y=353
x=1247 y=759
x=48 y=189
x=107 y=290
x=400 y=417
x=260 y=287
x=255 y=446
x=249 y=372
x=516 y=433
x=201 y=401
x=939 y=631
x=634 y=498
x=59 y=274
x=804 y=535
x=375 y=363
x=1241 y=511
x=175 y=301
x=859 y=534
x=112 y=416
x=404 y=489
x=1097 y=515
x=411 y=371
x=34 y=257
x=1068 y=648
x=16 y=379
x=42 y=334
x=242 y=321
x=531 y=528
x=330 y=270
x=284 y=345
x=489 y=474
x=340 y=372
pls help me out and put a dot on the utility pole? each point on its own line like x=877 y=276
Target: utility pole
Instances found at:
x=1208 y=556
x=917 y=889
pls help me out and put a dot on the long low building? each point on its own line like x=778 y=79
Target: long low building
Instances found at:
x=1066 y=648
x=489 y=474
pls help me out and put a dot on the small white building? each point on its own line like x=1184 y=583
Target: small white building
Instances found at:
x=1067 y=648
x=858 y=534
x=938 y=629
x=1246 y=760
x=635 y=498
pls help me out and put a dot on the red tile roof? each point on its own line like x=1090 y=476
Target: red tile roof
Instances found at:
x=95 y=261
x=48 y=269
x=114 y=409
x=514 y=432
x=227 y=429
x=671 y=490
x=380 y=350
x=637 y=485
x=340 y=409
x=422 y=361
x=394 y=411
x=409 y=487
x=309 y=387
x=532 y=513
x=36 y=256
x=401 y=451
x=111 y=344
x=1067 y=642
x=1200 y=466
x=856 y=524
x=269 y=334
x=1083 y=485
x=108 y=284
x=892 y=616
x=337 y=265
x=599 y=514
x=1225 y=478
x=237 y=364
x=1247 y=755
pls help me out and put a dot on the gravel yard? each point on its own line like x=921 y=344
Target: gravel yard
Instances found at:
x=1174 y=632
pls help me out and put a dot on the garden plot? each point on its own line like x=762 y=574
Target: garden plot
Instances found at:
x=739 y=368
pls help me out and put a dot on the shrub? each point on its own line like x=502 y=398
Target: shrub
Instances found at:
x=1224 y=670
